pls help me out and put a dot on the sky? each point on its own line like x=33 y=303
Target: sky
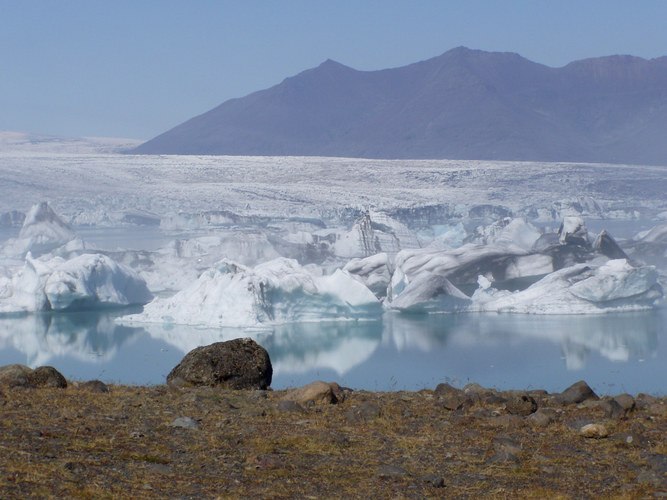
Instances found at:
x=134 y=69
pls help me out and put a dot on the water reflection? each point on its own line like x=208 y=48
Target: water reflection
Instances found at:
x=93 y=337
x=401 y=351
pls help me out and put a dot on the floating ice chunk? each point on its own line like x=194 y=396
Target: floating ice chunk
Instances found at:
x=430 y=292
x=373 y=272
x=657 y=234
x=461 y=265
x=615 y=280
x=573 y=230
x=508 y=233
x=579 y=289
x=278 y=291
x=94 y=280
x=89 y=280
x=42 y=232
x=606 y=245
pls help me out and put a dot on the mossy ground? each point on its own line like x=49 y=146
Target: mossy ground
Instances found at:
x=76 y=443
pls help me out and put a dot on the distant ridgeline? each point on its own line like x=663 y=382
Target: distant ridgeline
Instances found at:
x=464 y=104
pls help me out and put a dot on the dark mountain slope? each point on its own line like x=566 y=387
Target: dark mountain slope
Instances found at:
x=464 y=104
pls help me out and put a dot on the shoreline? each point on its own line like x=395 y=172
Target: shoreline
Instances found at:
x=92 y=440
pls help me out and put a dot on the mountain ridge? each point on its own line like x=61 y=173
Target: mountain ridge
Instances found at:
x=463 y=104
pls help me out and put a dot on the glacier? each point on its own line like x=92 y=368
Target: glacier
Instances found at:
x=262 y=241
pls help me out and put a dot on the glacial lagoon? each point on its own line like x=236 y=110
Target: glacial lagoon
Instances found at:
x=614 y=353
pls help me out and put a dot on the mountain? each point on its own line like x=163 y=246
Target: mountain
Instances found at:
x=464 y=104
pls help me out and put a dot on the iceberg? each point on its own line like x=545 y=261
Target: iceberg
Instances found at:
x=42 y=232
x=578 y=289
x=372 y=271
x=429 y=292
x=85 y=282
x=274 y=292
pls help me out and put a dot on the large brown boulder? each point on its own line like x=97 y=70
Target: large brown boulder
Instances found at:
x=235 y=364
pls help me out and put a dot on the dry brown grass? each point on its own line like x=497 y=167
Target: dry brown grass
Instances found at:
x=75 y=443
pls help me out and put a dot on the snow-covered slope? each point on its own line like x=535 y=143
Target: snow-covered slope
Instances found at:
x=11 y=141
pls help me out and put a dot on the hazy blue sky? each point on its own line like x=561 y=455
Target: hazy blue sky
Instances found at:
x=137 y=68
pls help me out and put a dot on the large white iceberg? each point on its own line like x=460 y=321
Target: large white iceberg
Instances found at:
x=578 y=289
x=278 y=291
x=86 y=281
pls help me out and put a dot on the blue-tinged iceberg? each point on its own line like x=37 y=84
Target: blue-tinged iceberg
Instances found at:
x=275 y=292
x=88 y=281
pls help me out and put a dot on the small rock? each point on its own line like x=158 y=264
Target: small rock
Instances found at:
x=46 y=376
x=455 y=402
x=595 y=431
x=508 y=421
x=268 y=462
x=340 y=392
x=432 y=480
x=632 y=439
x=521 y=404
x=644 y=400
x=577 y=393
x=290 y=406
x=474 y=388
x=185 y=423
x=365 y=412
x=540 y=419
x=625 y=401
x=96 y=386
x=391 y=472
x=316 y=392
x=612 y=409
x=446 y=389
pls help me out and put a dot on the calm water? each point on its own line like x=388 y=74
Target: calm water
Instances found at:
x=613 y=353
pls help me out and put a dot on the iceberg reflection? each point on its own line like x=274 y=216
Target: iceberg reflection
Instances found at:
x=428 y=347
